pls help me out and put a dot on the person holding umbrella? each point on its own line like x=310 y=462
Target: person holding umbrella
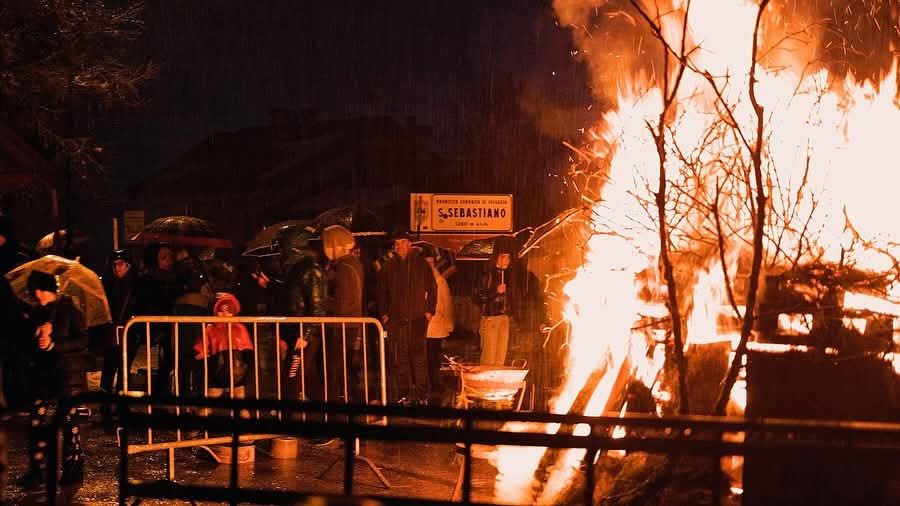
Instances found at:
x=57 y=331
x=496 y=307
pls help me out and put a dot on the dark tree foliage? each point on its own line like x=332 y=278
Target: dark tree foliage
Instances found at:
x=62 y=62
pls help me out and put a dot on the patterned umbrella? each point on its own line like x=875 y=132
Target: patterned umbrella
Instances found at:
x=73 y=278
x=182 y=231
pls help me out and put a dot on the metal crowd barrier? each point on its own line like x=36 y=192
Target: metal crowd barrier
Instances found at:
x=714 y=437
x=279 y=324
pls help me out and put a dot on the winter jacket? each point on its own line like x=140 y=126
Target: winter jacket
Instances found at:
x=492 y=302
x=441 y=323
x=217 y=340
x=406 y=288
x=59 y=370
x=307 y=290
x=305 y=293
x=217 y=333
x=122 y=295
x=348 y=286
x=193 y=285
x=157 y=290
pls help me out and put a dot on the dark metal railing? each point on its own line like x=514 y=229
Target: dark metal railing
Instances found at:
x=683 y=435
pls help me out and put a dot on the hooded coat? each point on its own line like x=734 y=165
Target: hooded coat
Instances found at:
x=217 y=333
x=346 y=270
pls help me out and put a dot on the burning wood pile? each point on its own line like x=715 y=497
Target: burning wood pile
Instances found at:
x=808 y=307
x=732 y=178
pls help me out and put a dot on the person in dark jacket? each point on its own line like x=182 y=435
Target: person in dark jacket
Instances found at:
x=121 y=292
x=406 y=302
x=305 y=294
x=194 y=298
x=347 y=280
x=496 y=307
x=59 y=338
x=157 y=289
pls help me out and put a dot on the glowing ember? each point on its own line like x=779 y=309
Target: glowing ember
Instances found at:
x=795 y=324
x=829 y=151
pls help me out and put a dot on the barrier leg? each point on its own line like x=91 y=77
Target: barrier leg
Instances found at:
x=356 y=456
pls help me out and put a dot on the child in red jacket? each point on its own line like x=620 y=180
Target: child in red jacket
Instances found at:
x=216 y=352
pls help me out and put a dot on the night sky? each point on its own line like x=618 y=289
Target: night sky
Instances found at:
x=224 y=65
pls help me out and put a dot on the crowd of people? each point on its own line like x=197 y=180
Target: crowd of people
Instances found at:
x=304 y=277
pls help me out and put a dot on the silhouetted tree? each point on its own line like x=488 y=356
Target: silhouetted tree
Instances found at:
x=63 y=61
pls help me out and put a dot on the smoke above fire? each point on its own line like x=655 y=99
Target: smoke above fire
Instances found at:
x=828 y=160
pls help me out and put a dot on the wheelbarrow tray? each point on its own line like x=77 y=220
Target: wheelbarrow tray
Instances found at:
x=492 y=382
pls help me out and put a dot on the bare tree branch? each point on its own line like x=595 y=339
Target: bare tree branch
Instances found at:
x=758 y=227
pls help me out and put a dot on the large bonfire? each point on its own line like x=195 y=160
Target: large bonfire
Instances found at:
x=726 y=87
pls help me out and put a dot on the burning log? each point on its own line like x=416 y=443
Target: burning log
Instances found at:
x=552 y=456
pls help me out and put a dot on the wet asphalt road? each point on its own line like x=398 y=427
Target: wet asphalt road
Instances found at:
x=413 y=469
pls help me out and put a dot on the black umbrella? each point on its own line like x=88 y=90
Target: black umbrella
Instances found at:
x=263 y=243
x=182 y=231
x=359 y=221
x=485 y=247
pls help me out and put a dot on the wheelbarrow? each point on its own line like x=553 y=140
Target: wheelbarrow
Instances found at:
x=490 y=383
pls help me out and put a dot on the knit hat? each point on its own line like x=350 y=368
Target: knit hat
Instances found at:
x=38 y=280
x=227 y=300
